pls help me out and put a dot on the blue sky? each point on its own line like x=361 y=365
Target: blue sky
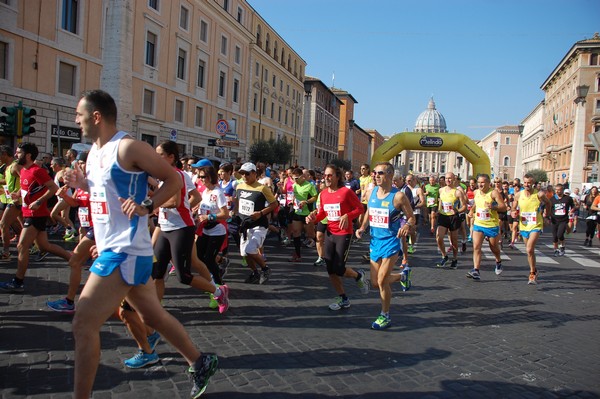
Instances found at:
x=482 y=61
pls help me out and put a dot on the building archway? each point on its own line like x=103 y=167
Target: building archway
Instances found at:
x=434 y=142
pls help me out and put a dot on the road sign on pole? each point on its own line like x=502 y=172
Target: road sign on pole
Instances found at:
x=173 y=135
x=222 y=127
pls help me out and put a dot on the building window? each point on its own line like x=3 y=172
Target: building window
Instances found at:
x=256 y=71
x=264 y=106
x=272 y=110
x=266 y=75
x=226 y=5
x=153 y=4
x=69 y=15
x=238 y=55
x=592 y=156
x=179 y=111
x=148 y=138
x=3 y=60
x=222 y=82
x=506 y=161
x=204 y=31
x=258 y=36
x=66 y=78
x=240 y=15
x=286 y=117
x=223 y=45
x=507 y=140
x=201 y=73
x=148 y=102
x=274 y=81
x=181 y=59
x=199 y=117
x=150 y=49
x=236 y=90
x=184 y=15
x=220 y=116
x=594 y=59
x=198 y=151
x=279 y=114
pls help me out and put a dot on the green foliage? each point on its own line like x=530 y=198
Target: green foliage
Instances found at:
x=540 y=175
x=344 y=164
x=271 y=151
x=261 y=151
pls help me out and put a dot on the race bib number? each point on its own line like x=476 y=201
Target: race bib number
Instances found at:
x=528 y=218
x=447 y=207
x=334 y=212
x=379 y=217
x=289 y=197
x=559 y=210
x=84 y=216
x=483 y=214
x=98 y=205
x=246 y=207
x=430 y=201
x=297 y=205
x=162 y=217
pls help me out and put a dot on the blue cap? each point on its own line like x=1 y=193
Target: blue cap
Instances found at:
x=201 y=163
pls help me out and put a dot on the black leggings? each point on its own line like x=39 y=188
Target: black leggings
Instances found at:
x=207 y=248
x=591 y=228
x=176 y=245
x=558 y=230
x=335 y=252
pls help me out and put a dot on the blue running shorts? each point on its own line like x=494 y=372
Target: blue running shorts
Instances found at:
x=135 y=270
x=489 y=232
x=384 y=248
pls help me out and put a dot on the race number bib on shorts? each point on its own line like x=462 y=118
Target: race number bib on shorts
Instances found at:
x=430 y=201
x=447 y=207
x=334 y=212
x=98 y=205
x=246 y=207
x=528 y=218
x=379 y=217
x=483 y=214
x=84 y=216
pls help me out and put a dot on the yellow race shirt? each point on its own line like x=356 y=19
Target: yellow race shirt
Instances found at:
x=484 y=216
x=447 y=200
x=530 y=218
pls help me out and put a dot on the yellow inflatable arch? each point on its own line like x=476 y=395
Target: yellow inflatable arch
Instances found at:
x=434 y=142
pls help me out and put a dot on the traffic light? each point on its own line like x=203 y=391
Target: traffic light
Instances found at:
x=9 y=121
x=28 y=121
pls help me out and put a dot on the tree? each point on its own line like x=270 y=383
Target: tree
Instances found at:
x=261 y=151
x=539 y=175
x=344 y=164
x=282 y=150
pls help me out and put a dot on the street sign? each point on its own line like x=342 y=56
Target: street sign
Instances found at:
x=228 y=143
x=173 y=135
x=220 y=150
x=222 y=127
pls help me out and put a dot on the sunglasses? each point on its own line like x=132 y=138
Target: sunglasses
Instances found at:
x=327 y=175
x=296 y=177
x=380 y=172
x=202 y=176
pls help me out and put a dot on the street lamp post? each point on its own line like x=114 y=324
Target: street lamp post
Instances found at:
x=306 y=129
x=577 y=153
x=496 y=159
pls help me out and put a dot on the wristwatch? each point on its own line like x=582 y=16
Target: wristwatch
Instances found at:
x=148 y=204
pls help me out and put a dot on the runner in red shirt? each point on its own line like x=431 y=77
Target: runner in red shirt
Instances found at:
x=340 y=206
x=36 y=188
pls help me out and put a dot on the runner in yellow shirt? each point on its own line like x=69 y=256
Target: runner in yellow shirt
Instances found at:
x=531 y=221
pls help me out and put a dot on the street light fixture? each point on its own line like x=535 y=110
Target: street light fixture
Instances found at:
x=582 y=92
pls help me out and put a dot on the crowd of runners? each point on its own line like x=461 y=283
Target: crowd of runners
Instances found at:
x=139 y=214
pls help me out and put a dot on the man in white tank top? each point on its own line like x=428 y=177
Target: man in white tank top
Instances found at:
x=117 y=172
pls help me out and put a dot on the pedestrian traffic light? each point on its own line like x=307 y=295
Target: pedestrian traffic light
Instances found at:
x=9 y=121
x=28 y=121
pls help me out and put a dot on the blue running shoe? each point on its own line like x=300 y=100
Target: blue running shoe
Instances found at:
x=340 y=304
x=12 y=286
x=381 y=323
x=61 y=305
x=153 y=339
x=443 y=262
x=141 y=359
x=406 y=282
x=474 y=274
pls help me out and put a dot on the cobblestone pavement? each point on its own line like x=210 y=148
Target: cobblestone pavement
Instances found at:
x=451 y=337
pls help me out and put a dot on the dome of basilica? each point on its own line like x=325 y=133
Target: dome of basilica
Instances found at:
x=430 y=120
